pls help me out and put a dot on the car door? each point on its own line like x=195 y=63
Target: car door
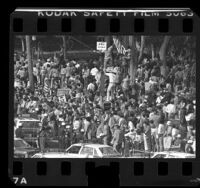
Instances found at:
x=87 y=152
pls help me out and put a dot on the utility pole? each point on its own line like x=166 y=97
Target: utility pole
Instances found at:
x=30 y=65
x=23 y=45
x=64 y=47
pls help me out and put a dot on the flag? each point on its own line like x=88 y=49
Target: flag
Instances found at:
x=46 y=86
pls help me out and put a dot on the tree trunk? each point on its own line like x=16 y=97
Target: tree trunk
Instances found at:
x=107 y=39
x=23 y=45
x=30 y=65
x=152 y=52
x=135 y=57
x=162 y=54
x=141 y=48
x=64 y=47
x=133 y=60
x=38 y=50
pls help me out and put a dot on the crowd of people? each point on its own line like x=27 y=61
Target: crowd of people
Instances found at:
x=102 y=105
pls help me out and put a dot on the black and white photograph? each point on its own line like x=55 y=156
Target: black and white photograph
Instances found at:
x=114 y=96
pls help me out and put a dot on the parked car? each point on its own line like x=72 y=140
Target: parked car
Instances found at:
x=22 y=149
x=28 y=128
x=82 y=150
x=172 y=154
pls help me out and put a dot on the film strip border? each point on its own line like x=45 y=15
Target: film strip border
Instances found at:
x=136 y=22
x=109 y=172
x=111 y=26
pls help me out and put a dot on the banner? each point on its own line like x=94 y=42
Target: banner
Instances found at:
x=61 y=92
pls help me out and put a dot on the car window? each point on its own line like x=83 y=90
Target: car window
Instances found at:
x=37 y=156
x=87 y=150
x=160 y=156
x=21 y=144
x=74 y=149
x=95 y=153
x=30 y=124
x=108 y=151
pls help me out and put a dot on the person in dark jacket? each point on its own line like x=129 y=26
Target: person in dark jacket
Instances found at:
x=106 y=134
x=183 y=122
x=42 y=139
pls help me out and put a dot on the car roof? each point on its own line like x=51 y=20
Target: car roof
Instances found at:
x=91 y=145
x=15 y=138
x=175 y=153
x=27 y=119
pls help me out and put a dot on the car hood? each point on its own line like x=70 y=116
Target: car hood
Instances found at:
x=112 y=156
x=28 y=149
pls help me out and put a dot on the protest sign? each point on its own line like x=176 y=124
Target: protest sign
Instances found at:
x=101 y=46
x=61 y=92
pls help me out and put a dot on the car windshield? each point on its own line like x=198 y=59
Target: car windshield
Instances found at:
x=108 y=151
x=21 y=144
x=87 y=150
x=160 y=156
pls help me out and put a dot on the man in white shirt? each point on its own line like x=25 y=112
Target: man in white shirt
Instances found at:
x=91 y=87
x=170 y=109
x=111 y=86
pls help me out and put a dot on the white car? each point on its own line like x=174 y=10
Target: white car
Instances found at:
x=82 y=150
x=27 y=121
x=172 y=154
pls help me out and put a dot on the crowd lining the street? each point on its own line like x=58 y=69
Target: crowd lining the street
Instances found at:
x=153 y=113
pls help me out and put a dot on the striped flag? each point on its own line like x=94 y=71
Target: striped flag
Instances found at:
x=46 y=86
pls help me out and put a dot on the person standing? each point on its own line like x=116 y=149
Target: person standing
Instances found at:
x=87 y=129
x=42 y=139
x=183 y=122
x=63 y=74
x=147 y=136
x=111 y=86
x=118 y=139
x=125 y=85
x=161 y=132
x=106 y=133
x=61 y=136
